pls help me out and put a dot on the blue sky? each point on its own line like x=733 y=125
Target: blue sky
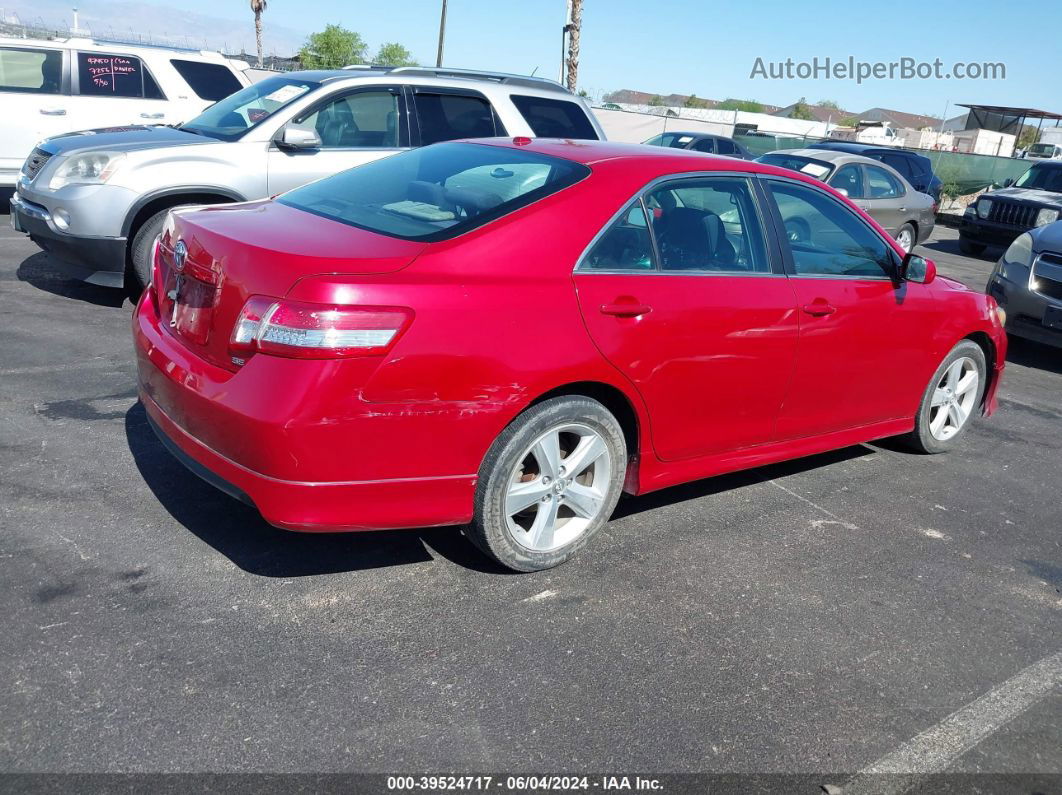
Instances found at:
x=661 y=46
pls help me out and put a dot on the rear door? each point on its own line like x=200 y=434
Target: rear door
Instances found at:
x=354 y=127
x=35 y=93
x=886 y=197
x=681 y=293
x=446 y=114
x=112 y=89
x=863 y=356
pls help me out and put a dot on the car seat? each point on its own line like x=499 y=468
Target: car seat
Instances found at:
x=691 y=239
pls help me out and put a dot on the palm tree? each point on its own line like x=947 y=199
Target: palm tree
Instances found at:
x=258 y=6
x=573 y=43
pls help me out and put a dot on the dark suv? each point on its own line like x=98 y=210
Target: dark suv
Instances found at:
x=916 y=169
x=999 y=216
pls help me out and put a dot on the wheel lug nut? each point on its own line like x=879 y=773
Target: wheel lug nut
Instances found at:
x=545 y=479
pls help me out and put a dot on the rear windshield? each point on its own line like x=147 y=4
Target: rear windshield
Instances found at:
x=819 y=169
x=673 y=140
x=236 y=114
x=555 y=118
x=437 y=192
x=208 y=80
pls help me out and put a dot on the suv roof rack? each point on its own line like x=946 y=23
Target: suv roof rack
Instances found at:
x=469 y=74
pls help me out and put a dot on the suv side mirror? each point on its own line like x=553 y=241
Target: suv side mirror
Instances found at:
x=1008 y=182
x=295 y=138
x=842 y=191
x=914 y=268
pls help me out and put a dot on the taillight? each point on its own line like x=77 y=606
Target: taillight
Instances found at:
x=315 y=331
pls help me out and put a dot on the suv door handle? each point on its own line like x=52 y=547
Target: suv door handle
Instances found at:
x=53 y=111
x=819 y=308
x=151 y=115
x=625 y=310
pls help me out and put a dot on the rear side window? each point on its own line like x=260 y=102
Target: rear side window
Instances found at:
x=208 y=80
x=726 y=147
x=626 y=246
x=31 y=71
x=436 y=192
x=881 y=184
x=104 y=75
x=555 y=118
x=444 y=117
x=904 y=165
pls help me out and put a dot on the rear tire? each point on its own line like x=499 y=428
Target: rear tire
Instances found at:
x=549 y=482
x=140 y=249
x=950 y=402
x=906 y=237
x=971 y=249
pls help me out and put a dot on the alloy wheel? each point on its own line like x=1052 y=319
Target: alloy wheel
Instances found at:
x=559 y=486
x=904 y=239
x=953 y=399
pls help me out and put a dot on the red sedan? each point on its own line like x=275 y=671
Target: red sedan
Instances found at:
x=507 y=334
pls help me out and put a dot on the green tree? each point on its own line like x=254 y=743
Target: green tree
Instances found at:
x=394 y=54
x=747 y=105
x=1027 y=137
x=692 y=101
x=829 y=103
x=801 y=110
x=848 y=121
x=333 y=48
x=656 y=101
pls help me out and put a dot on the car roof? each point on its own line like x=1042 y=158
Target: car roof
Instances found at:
x=664 y=159
x=855 y=148
x=827 y=155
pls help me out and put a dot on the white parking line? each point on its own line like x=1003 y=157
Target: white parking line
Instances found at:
x=936 y=748
x=819 y=508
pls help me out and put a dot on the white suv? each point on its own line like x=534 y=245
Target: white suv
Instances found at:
x=48 y=87
x=96 y=200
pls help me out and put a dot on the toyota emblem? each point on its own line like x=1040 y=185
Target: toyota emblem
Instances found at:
x=180 y=254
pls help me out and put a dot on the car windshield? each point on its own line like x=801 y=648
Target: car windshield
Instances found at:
x=1045 y=177
x=436 y=192
x=819 y=169
x=1042 y=149
x=236 y=114
x=674 y=140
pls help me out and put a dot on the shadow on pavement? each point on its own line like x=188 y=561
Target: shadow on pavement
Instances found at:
x=1033 y=354
x=720 y=483
x=239 y=533
x=990 y=254
x=39 y=271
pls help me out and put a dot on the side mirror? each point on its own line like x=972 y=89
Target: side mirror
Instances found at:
x=914 y=268
x=1008 y=182
x=294 y=138
x=842 y=191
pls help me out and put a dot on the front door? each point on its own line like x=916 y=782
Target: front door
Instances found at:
x=863 y=354
x=112 y=89
x=690 y=309
x=354 y=127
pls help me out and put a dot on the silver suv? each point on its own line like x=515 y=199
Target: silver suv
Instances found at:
x=97 y=199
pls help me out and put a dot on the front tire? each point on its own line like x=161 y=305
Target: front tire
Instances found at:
x=140 y=249
x=906 y=237
x=951 y=399
x=548 y=483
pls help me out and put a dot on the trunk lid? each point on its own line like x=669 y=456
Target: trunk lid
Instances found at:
x=232 y=252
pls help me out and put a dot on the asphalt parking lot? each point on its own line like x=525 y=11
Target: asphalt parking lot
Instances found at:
x=811 y=617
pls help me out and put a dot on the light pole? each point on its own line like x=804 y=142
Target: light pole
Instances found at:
x=442 y=34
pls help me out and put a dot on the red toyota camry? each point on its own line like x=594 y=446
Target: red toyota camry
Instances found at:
x=508 y=334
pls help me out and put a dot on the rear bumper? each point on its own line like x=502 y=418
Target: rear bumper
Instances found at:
x=187 y=400
x=97 y=260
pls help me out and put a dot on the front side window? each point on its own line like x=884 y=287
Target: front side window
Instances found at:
x=555 y=118
x=445 y=117
x=436 y=192
x=233 y=116
x=826 y=238
x=850 y=180
x=210 y=81
x=362 y=119
x=882 y=185
x=31 y=71
x=103 y=74
x=708 y=224
x=725 y=147
x=626 y=246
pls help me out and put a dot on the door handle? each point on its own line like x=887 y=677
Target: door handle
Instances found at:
x=903 y=209
x=819 y=308
x=53 y=111
x=151 y=115
x=625 y=310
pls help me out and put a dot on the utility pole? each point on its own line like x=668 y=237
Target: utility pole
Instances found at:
x=442 y=34
x=575 y=23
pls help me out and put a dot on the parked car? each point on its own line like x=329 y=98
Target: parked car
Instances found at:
x=1027 y=282
x=96 y=200
x=880 y=191
x=509 y=333
x=702 y=142
x=915 y=168
x=1000 y=216
x=1044 y=152
x=50 y=87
